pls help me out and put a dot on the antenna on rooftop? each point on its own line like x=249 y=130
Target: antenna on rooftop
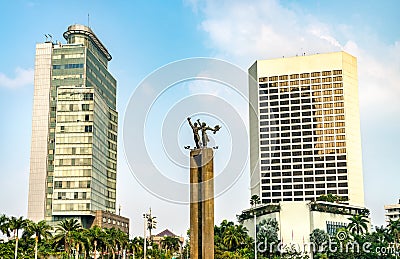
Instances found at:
x=88 y=20
x=49 y=37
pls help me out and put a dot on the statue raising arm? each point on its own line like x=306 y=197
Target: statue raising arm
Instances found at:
x=195 y=129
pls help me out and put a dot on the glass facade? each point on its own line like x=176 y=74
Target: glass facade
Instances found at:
x=302 y=133
x=82 y=128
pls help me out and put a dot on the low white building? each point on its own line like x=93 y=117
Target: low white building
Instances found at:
x=297 y=219
x=392 y=212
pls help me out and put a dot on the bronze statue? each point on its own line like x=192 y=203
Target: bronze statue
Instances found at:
x=203 y=127
x=196 y=135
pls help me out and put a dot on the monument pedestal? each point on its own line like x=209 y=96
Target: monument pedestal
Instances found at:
x=201 y=204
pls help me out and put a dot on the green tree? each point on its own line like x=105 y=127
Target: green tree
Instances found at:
x=219 y=230
x=332 y=198
x=122 y=240
x=267 y=235
x=116 y=240
x=254 y=200
x=358 y=224
x=6 y=250
x=4 y=225
x=111 y=240
x=40 y=230
x=136 y=246
x=64 y=233
x=234 y=237
x=318 y=237
x=170 y=243
x=97 y=238
x=79 y=241
x=393 y=229
x=15 y=224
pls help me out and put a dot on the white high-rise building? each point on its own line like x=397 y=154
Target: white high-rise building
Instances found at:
x=305 y=128
x=392 y=212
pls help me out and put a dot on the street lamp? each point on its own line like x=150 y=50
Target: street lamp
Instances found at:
x=255 y=234
x=254 y=200
x=95 y=249
x=144 y=238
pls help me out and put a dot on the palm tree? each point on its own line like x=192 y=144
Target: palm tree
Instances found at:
x=97 y=237
x=234 y=237
x=112 y=240
x=221 y=229
x=15 y=224
x=4 y=225
x=80 y=241
x=358 y=224
x=40 y=230
x=64 y=233
x=122 y=240
x=170 y=243
x=136 y=245
x=254 y=200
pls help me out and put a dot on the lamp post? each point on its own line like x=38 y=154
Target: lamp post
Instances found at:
x=95 y=249
x=254 y=200
x=144 y=237
x=255 y=234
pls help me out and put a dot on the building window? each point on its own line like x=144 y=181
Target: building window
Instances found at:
x=88 y=128
x=85 y=107
x=88 y=96
x=71 y=66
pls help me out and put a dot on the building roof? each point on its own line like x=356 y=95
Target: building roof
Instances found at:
x=166 y=232
x=82 y=29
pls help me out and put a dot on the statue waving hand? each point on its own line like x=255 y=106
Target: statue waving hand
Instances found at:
x=204 y=129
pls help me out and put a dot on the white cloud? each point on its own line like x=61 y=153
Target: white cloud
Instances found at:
x=242 y=33
x=265 y=29
x=379 y=80
x=22 y=77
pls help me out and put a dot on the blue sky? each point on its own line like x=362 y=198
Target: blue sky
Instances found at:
x=145 y=35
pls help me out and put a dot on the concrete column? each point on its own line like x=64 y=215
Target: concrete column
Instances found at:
x=201 y=204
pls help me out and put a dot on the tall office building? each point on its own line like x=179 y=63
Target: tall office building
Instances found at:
x=305 y=128
x=74 y=130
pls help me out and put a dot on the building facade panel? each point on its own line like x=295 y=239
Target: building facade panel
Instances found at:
x=40 y=130
x=308 y=141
